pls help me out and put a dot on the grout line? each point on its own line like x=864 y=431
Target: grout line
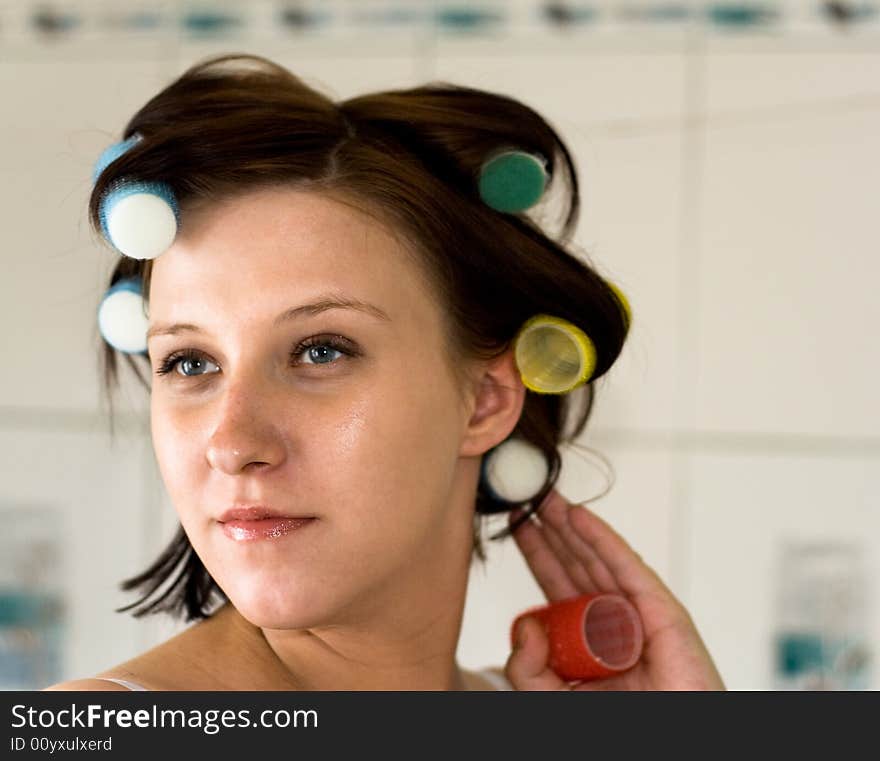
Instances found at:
x=832 y=107
x=426 y=56
x=738 y=442
x=679 y=528
x=687 y=305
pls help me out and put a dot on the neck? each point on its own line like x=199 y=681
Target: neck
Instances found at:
x=337 y=658
x=403 y=647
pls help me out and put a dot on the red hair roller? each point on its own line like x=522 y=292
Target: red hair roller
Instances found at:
x=591 y=637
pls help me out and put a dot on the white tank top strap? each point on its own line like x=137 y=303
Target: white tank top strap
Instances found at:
x=130 y=685
x=499 y=681
x=496 y=679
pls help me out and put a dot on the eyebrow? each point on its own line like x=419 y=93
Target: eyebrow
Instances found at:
x=323 y=304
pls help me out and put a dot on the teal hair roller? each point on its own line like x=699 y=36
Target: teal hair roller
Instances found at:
x=512 y=180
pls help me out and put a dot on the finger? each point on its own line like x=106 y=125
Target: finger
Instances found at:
x=527 y=667
x=555 y=512
x=573 y=565
x=543 y=562
x=630 y=572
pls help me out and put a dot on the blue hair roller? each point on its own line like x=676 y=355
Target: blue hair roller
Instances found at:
x=138 y=218
x=109 y=155
x=122 y=318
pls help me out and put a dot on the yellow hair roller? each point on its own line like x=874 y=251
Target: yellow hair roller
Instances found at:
x=624 y=302
x=553 y=355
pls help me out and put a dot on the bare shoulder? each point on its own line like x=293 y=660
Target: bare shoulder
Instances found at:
x=185 y=661
x=195 y=658
x=86 y=685
x=164 y=667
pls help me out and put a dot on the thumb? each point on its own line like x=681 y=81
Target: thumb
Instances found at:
x=527 y=667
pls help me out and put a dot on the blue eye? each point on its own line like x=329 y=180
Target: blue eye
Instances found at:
x=318 y=348
x=318 y=353
x=181 y=358
x=194 y=360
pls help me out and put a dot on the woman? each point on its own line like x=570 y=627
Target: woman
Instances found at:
x=331 y=344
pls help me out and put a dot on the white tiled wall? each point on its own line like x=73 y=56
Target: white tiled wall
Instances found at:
x=787 y=276
x=731 y=193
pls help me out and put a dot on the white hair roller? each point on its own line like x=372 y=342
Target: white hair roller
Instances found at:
x=139 y=218
x=122 y=319
x=515 y=471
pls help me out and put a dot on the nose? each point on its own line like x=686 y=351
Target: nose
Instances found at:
x=231 y=460
x=246 y=436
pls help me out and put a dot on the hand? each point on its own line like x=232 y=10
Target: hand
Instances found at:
x=571 y=552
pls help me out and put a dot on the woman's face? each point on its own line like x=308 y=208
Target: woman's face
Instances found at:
x=364 y=434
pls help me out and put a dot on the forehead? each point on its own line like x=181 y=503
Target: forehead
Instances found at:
x=284 y=245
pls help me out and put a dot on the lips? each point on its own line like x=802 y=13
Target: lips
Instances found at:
x=257 y=513
x=267 y=528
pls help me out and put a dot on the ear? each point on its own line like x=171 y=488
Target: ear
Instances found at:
x=499 y=396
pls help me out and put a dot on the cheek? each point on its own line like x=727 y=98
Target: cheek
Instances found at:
x=176 y=455
x=395 y=451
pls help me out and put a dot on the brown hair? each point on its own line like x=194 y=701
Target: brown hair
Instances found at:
x=410 y=157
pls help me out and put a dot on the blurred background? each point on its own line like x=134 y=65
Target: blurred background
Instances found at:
x=729 y=158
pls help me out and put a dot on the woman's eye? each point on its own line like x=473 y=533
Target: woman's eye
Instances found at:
x=313 y=351
x=320 y=354
x=324 y=350
x=186 y=360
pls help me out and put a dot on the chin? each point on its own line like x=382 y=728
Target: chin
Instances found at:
x=272 y=607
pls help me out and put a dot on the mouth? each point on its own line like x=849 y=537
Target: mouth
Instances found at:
x=264 y=528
